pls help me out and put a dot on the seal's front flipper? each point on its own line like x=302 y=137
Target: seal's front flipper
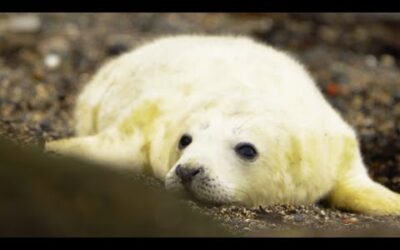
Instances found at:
x=105 y=148
x=361 y=194
x=71 y=146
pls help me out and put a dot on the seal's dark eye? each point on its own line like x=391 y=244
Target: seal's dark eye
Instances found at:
x=184 y=141
x=246 y=151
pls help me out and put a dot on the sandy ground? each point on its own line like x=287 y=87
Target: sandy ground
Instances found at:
x=46 y=58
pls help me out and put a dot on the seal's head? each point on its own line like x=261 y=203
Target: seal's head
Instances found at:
x=221 y=159
x=249 y=155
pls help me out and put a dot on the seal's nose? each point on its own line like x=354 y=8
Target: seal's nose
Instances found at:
x=187 y=173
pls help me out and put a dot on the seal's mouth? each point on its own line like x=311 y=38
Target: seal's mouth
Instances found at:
x=188 y=189
x=201 y=189
x=187 y=185
x=191 y=195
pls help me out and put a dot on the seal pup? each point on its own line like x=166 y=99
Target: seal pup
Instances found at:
x=227 y=120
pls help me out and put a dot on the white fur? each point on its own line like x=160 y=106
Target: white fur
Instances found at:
x=222 y=90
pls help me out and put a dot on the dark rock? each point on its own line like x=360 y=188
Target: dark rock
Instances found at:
x=45 y=125
x=298 y=218
x=116 y=49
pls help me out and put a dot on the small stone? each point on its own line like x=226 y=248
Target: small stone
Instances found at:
x=396 y=96
x=351 y=220
x=339 y=74
x=24 y=23
x=298 y=218
x=55 y=45
x=361 y=34
x=116 y=49
x=387 y=61
x=52 y=61
x=45 y=125
x=329 y=34
x=371 y=61
x=41 y=91
x=38 y=74
x=72 y=31
x=382 y=179
x=332 y=89
x=266 y=25
x=118 y=44
x=282 y=213
x=287 y=217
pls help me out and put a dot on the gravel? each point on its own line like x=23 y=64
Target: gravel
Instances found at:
x=46 y=58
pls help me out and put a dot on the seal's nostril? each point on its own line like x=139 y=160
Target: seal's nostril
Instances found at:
x=178 y=170
x=195 y=172
x=187 y=173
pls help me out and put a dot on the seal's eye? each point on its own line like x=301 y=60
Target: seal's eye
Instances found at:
x=184 y=141
x=246 y=151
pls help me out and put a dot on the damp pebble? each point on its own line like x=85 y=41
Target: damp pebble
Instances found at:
x=52 y=61
x=371 y=61
x=396 y=96
x=351 y=220
x=45 y=125
x=332 y=89
x=387 y=61
x=329 y=34
x=118 y=44
x=298 y=218
x=116 y=49
x=24 y=23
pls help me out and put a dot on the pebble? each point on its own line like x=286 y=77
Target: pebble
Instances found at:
x=371 y=61
x=387 y=61
x=329 y=34
x=267 y=25
x=361 y=34
x=332 y=89
x=116 y=49
x=72 y=31
x=52 y=61
x=24 y=23
x=396 y=96
x=339 y=73
x=396 y=180
x=118 y=44
x=56 y=45
x=351 y=220
x=38 y=74
x=41 y=92
x=298 y=218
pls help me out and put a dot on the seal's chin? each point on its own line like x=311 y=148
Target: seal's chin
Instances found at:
x=183 y=190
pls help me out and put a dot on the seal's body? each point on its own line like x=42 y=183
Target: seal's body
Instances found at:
x=227 y=120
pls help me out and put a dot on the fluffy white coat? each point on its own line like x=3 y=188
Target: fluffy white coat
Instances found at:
x=223 y=90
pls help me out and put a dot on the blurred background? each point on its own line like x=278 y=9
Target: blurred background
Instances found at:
x=45 y=59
